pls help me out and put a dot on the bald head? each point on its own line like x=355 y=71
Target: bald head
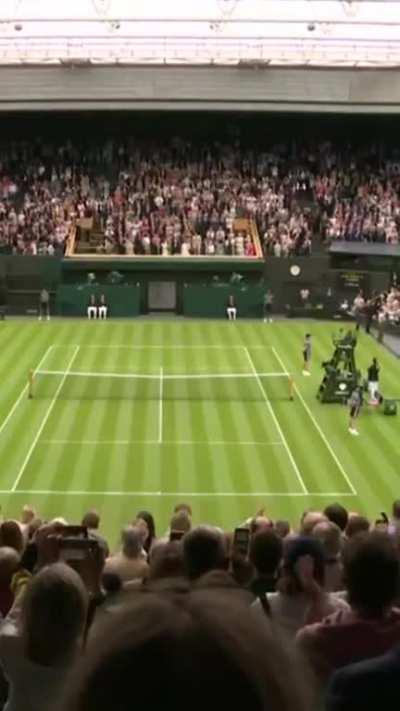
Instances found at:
x=309 y=520
x=330 y=536
x=131 y=539
x=260 y=523
x=356 y=524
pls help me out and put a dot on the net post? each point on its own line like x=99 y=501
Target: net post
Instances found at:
x=30 y=384
x=291 y=388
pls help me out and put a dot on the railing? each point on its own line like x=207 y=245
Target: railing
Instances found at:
x=70 y=246
x=256 y=239
x=249 y=227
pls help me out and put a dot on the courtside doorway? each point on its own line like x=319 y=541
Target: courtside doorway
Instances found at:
x=162 y=297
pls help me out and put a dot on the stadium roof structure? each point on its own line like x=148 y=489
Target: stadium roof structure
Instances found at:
x=328 y=33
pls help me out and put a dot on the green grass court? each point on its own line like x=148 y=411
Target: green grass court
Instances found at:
x=226 y=444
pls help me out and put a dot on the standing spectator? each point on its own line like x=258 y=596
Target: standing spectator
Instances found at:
x=338 y=515
x=366 y=686
x=91 y=521
x=42 y=638
x=130 y=563
x=310 y=519
x=394 y=525
x=372 y=625
x=266 y=549
x=282 y=528
x=300 y=585
x=145 y=521
x=204 y=550
x=329 y=534
x=196 y=645
x=9 y=562
x=11 y=535
x=180 y=525
x=166 y=561
x=356 y=524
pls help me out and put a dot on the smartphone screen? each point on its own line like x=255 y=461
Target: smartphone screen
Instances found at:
x=81 y=554
x=241 y=540
x=79 y=532
x=71 y=549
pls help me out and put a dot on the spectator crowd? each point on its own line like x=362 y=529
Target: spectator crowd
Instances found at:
x=267 y=618
x=384 y=307
x=182 y=198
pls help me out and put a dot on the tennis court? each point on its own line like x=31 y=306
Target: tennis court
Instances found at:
x=159 y=411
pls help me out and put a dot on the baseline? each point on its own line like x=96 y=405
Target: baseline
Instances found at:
x=276 y=421
x=143 y=346
x=318 y=428
x=191 y=442
x=177 y=494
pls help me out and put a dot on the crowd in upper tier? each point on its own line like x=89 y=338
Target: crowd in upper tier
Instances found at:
x=181 y=198
x=269 y=618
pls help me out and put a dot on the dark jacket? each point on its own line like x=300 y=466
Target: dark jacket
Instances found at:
x=263 y=584
x=366 y=686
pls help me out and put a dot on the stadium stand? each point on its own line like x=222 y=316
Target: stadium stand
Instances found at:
x=212 y=221
x=282 y=587
x=183 y=198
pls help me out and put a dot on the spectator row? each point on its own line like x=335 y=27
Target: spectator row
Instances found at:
x=269 y=616
x=183 y=198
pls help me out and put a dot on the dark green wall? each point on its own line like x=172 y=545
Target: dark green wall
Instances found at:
x=21 y=279
x=122 y=301
x=212 y=301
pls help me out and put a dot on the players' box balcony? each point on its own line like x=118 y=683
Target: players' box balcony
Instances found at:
x=89 y=239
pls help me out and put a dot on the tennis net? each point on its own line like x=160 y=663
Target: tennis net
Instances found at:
x=57 y=384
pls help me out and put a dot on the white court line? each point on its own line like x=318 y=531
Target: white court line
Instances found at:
x=155 y=347
x=177 y=494
x=23 y=393
x=160 y=409
x=275 y=419
x=318 y=428
x=46 y=417
x=190 y=442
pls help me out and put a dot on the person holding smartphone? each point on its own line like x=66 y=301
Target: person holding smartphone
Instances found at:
x=300 y=597
x=41 y=639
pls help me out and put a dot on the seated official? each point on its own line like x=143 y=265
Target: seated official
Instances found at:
x=102 y=308
x=92 y=307
x=231 y=309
